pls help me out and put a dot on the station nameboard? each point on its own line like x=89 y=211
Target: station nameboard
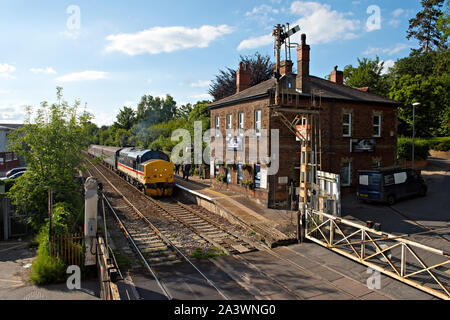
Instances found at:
x=234 y=144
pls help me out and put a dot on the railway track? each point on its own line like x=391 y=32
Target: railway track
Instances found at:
x=197 y=222
x=150 y=244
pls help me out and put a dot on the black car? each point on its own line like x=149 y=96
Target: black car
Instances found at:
x=390 y=184
x=14 y=171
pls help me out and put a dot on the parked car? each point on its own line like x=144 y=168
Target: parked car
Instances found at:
x=390 y=184
x=14 y=171
x=14 y=176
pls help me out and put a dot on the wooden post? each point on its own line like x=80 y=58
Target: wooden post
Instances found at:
x=50 y=217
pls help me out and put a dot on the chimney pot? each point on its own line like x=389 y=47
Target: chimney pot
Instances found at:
x=303 y=51
x=337 y=76
x=286 y=67
x=243 y=78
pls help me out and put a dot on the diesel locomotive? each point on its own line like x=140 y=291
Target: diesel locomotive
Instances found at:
x=149 y=170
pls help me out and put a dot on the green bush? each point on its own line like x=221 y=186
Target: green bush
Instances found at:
x=7 y=183
x=421 y=149
x=46 y=269
x=443 y=146
x=439 y=144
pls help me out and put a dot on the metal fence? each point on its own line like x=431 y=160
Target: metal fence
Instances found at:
x=413 y=263
x=107 y=271
x=68 y=247
x=11 y=224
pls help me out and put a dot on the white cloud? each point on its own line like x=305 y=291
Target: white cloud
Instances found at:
x=12 y=113
x=396 y=13
x=262 y=13
x=387 y=64
x=165 y=39
x=389 y=51
x=6 y=70
x=322 y=24
x=200 y=83
x=83 y=76
x=204 y=96
x=394 y=22
x=255 y=42
x=47 y=70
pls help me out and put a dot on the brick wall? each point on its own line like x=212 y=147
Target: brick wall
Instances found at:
x=335 y=147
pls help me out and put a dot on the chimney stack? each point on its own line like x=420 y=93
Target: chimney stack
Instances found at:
x=243 y=78
x=337 y=76
x=286 y=67
x=303 y=66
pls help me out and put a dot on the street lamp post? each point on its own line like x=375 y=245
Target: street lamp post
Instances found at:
x=416 y=104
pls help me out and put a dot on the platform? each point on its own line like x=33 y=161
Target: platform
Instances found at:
x=274 y=226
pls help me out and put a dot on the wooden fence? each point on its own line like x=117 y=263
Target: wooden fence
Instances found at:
x=68 y=247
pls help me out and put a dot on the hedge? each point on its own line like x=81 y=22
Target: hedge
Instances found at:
x=421 y=149
x=7 y=183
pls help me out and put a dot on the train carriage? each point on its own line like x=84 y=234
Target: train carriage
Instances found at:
x=107 y=154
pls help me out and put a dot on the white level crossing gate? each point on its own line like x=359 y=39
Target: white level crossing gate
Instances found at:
x=413 y=263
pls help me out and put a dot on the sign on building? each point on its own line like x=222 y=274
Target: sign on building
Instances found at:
x=301 y=132
x=362 y=145
x=234 y=144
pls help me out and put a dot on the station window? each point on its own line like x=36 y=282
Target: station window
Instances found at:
x=9 y=157
x=241 y=123
x=217 y=126
x=258 y=122
x=377 y=126
x=347 y=124
x=346 y=174
x=229 y=124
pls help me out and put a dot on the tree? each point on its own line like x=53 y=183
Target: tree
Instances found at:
x=125 y=119
x=183 y=111
x=52 y=147
x=369 y=73
x=433 y=115
x=424 y=26
x=152 y=110
x=224 y=85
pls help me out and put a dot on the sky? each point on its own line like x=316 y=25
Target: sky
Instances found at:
x=109 y=53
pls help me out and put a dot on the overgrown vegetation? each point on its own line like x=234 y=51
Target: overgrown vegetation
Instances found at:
x=51 y=144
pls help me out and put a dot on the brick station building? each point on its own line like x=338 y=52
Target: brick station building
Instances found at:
x=358 y=130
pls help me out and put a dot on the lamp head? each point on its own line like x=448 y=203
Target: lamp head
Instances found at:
x=416 y=104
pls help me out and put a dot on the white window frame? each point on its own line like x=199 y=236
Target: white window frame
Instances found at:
x=349 y=166
x=378 y=126
x=217 y=126
x=241 y=123
x=349 y=124
x=229 y=124
x=258 y=126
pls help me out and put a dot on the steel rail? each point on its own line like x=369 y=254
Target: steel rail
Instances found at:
x=138 y=251
x=161 y=235
x=133 y=243
x=162 y=206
